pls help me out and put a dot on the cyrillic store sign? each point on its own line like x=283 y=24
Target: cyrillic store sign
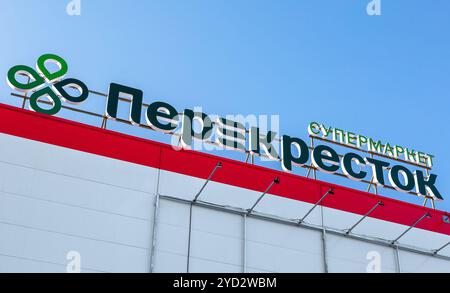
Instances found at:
x=294 y=151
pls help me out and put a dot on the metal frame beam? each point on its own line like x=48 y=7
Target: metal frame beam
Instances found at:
x=380 y=203
x=218 y=165
x=280 y=220
x=330 y=191
x=440 y=248
x=427 y=215
x=248 y=212
x=274 y=181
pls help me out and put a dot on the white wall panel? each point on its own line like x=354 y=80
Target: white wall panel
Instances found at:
x=172 y=237
x=187 y=187
x=74 y=221
x=198 y=265
x=283 y=248
x=216 y=240
x=428 y=240
x=289 y=209
x=415 y=263
x=9 y=264
x=20 y=242
x=345 y=255
x=338 y=219
x=54 y=200
x=376 y=228
x=379 y=229
x=71 y=191
x=78 y=164
x=166 y=262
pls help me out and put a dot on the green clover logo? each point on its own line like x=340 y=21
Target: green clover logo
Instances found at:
x=44 y=83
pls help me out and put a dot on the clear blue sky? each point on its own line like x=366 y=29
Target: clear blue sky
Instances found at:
x=385 y=76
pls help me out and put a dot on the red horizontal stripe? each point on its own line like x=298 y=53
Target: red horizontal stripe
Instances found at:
x=94 y=140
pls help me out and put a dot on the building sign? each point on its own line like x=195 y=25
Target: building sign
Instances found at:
x=293 y=151
x=352 y=139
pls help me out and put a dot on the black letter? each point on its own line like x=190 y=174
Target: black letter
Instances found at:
x=377 y=169
x=324 y=154
x=113 y=101
x=188 y=126
x=231 y=134
x=347 y=166
x=256 y=140
x=166 y=112
x=395 y=180
x=287 y=156
x=422 y=184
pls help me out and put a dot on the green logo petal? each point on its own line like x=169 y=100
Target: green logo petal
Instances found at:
x=38 y=78
x=60 y=62
x=75 y=83
x=56 y=107
x=35 y=79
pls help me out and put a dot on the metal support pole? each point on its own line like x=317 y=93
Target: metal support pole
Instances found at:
x=425 y=202
x=312 y=147
x=275 y=181
x=218 y=165
x=310 y=166
x=324 y=251
x=249 y=211
x=155 y=221
x=372 y=183
x=189 y=237
x=155 y=224
x=369 y=186
x=427 y=215
x=244 y=250
x=380 y=203
x=308 y=172
x=104 y=121
x=25 y=95
x=324 y=243
x=442 y=247
x=330 y=191
x=427 y=172
x=397 y=258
